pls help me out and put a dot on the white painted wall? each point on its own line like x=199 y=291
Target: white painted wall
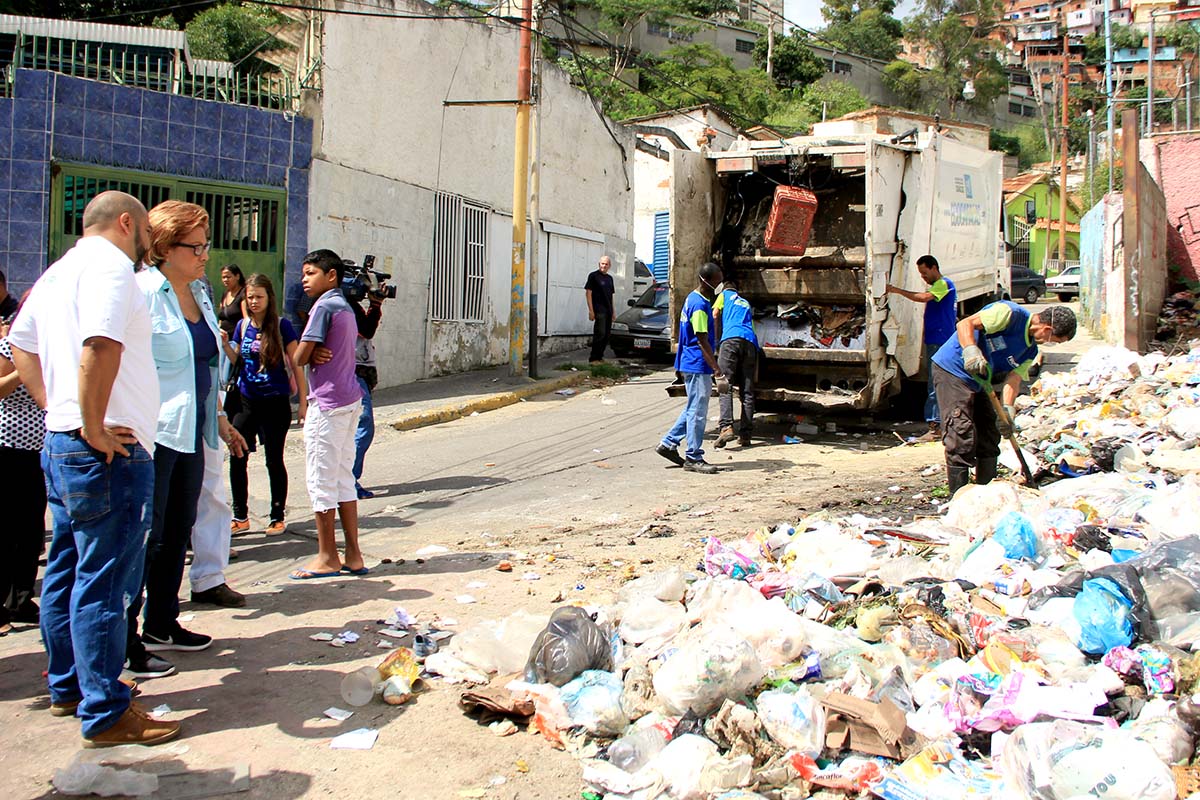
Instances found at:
x=385 y=143
x=652 y=176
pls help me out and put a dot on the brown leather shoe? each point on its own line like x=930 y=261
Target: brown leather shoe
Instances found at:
x=727 y=435
x=220 y=596
x=134 y=727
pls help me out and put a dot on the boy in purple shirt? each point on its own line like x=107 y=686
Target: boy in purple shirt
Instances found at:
x=334 y=404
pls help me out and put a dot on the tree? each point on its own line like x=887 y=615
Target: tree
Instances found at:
x=1123 y=38
x=865 y=27
x=1183 y=36
x=117 y=12
x=793 y=62
x=795 y=112
x=232 y=32
x=956 y=35
x=697 y=73
x=619 y=19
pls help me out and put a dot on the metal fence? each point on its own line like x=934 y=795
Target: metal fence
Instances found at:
x=146 y=68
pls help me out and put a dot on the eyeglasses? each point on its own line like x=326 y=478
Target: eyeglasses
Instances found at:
x=197 y=249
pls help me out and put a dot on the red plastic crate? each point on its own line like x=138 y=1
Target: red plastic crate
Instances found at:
x=791 y=220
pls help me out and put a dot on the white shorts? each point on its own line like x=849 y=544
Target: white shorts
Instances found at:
x=329 y=455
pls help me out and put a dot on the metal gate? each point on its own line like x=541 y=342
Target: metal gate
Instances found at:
x=1020 y=252
x=246 y=224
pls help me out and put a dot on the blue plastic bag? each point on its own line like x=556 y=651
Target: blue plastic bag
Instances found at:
x=1014 y=532
x=1105 y=616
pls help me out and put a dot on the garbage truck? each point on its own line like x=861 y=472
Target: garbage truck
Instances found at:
x=812 y=229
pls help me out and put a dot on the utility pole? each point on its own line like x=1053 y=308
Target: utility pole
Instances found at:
x=535 y=221
x=516 y=308
x=770 y=41
x=1062 y=189
x=1108 y=88
x=1150 y=82
x=1091 y=156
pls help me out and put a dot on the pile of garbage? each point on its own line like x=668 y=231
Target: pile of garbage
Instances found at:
x=1179 y=318
x=812 y=326
x=1116 y=411
x=1026 y=644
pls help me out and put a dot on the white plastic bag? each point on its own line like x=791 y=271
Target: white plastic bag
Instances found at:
x=774 y=631
x=498 y=646
x=667 y=586
x=652 y=622
x=705 y=671
x=794 y=720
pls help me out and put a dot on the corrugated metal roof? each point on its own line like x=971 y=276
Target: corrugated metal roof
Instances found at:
x=96 y=32
x=207 y=66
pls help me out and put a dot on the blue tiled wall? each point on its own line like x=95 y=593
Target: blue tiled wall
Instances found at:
x=55 y=117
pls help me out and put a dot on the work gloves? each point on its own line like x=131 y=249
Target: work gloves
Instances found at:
x=722 y=385
x=974 y=362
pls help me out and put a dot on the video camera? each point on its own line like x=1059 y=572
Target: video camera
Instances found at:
x=360 y=280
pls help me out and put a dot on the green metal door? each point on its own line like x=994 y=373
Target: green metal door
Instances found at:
x=246 y=224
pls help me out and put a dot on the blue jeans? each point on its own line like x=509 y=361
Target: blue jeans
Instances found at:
x=366 y=430
x=101 y=517
x=694 y=417
x=931 y=404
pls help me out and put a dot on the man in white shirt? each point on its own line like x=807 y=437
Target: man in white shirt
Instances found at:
x=82 y=347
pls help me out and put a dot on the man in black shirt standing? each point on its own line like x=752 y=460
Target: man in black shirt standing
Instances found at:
x=599 y=288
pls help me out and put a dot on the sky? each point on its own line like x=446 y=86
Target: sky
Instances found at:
x=807 y=13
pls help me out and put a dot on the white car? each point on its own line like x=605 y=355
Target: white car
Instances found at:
x=1065 y=284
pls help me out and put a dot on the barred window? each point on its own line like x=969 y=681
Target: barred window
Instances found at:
x=460 y=241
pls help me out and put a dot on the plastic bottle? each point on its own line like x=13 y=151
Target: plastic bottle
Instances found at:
x=633 y=751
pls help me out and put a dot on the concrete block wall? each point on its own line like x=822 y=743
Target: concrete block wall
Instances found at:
x=59 y=118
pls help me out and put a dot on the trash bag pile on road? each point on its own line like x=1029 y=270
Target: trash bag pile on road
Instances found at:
x=1116 y=410
x=1033 y=644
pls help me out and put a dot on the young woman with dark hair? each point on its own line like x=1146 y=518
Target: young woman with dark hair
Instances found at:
x=266 y=381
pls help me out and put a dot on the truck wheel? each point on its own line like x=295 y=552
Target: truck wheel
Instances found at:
x=1031 y=296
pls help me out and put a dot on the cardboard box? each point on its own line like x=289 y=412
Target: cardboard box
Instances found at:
x=878 y=729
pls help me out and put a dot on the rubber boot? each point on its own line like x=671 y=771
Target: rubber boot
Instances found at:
x=985 y=471
x=956 y=478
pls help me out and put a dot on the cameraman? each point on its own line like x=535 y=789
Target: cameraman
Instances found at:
x=368 y=378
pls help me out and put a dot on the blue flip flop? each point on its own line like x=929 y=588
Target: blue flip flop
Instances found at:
x=359 y=571
x=308 y=575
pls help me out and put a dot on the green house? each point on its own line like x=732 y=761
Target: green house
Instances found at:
x=1031 y=206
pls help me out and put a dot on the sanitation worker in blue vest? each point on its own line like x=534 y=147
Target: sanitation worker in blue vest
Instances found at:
x=940 y=301
x=994 y=347
x=696 y=362
x=737 y=357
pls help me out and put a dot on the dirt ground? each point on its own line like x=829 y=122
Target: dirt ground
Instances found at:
x=257 y=696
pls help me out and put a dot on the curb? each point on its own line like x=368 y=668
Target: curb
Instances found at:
x=435 y=416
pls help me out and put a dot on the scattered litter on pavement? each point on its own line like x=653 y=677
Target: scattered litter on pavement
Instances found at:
x=160 y=710
x=504 y=566
x=432 y=550
x=476 y=585
x=322 y=637
x=465 y=599
x=359 y=739
x=568 y=392
x=339 y=714
x=1019 y=643
x=349 y=637
x=531 y=576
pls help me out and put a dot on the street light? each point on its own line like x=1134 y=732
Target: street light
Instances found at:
x=968 y=92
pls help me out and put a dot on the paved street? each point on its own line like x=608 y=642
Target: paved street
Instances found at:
x=562 y=485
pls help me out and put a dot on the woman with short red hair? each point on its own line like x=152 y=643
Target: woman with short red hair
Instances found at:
x=186 y=343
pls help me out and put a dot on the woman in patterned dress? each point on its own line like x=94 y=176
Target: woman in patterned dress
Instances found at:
x=22 y=429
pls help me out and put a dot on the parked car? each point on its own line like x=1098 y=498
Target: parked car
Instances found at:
x=1027 y=285
x=1065 y=284
x=644 y=329
x=642 y=278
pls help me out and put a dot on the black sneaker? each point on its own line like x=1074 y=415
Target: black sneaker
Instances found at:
x=703 y=467
x=145 y=666
x=670 y=454
x=179 y=639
